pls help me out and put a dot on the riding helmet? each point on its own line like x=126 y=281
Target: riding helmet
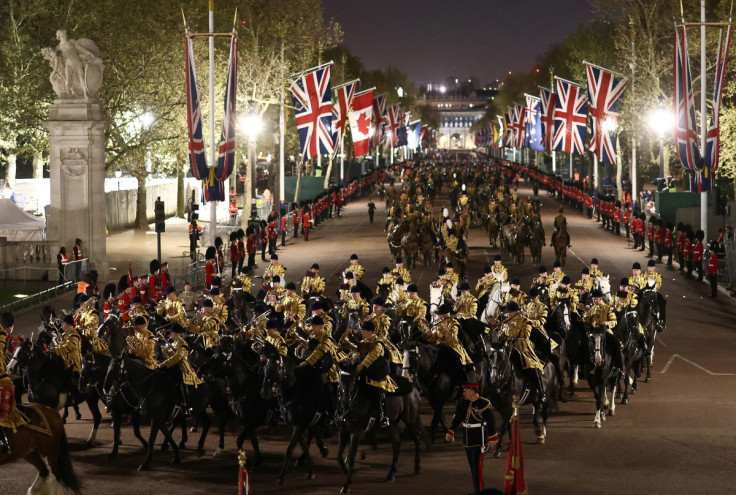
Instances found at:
x=355 y=288
x=139 y=320
x=69 y=320
x=291 y=286
x=464 y=286
x=651 y=263
x=596 y=293
x=412 y=288
x=368 y=326
x=378 y=301
x=636 y=266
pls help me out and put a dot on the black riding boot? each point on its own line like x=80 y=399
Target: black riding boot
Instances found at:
x=539 y=384
x=184 y=398
x=4 y=444
x=383 y=420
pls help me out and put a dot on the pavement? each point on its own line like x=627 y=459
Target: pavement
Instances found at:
x=676 y=436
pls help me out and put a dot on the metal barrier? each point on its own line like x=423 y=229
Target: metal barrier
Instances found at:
x=38 y=297
x=75 y=270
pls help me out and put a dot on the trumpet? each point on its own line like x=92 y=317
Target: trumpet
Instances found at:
x=196 y=320
x=255 y=319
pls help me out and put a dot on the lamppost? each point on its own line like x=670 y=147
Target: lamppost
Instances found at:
x=661 y=122
x=251 y=125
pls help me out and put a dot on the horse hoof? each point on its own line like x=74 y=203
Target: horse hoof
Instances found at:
x=344 y=489
x=309 y=476
x=390 y=478
x=217 y=453
x=280 y=481
x=596 y=424
x=200 y=452
x=324 y=452
x=176 y=460
x=78 y=416
x=625 y=400
x=611 y=412
x=90 y=444
x=193 y=429
x=361 y=455
x=142 y=467
x=540 y=440
x=417 y=470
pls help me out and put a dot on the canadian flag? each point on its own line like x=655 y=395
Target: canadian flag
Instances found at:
x=360 y=122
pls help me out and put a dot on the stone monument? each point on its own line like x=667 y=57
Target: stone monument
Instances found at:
x=76 y=129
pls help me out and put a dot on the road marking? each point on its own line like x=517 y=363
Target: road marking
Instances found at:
x=578 y=257
x=672 y=359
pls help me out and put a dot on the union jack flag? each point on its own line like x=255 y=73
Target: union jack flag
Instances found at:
x=313 y=114
x=393 y=122
x=340 y=109
x=686 y=136
x=713 y=145
x=519 y=123
x=508 y=129
x=571 y=115
x=226 y=157
x=604 y=95
x=197 y=155
x=548 y=116
x=379 y=118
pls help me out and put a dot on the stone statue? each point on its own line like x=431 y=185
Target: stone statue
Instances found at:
x=76 y=67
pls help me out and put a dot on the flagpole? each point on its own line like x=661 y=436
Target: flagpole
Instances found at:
x=213 y=158
x=703 y=124
x=342 y=158
x=554 y=162
x=595 y=170
x=282 y=133
x=634 y=196
x=571 y=165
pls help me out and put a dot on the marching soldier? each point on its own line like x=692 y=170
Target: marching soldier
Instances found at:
x=466 y=306
x=475 y=414
x=401 y=272
x=141 y=343
x=313 y=284
x=517 y=329
x=208 y=327
x=375 y=364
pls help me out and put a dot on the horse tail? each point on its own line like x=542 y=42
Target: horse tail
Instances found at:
x=66 y=470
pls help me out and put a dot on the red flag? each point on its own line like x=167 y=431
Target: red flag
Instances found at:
x=360 y=118
x=513 y=482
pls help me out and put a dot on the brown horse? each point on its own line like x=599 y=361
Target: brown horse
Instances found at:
x=560 y=244
x=426 y=244
x=410 y=245
x=535 y=246
x=43 y=437
x=394 y=238
x=514 y=236
x=493 y=229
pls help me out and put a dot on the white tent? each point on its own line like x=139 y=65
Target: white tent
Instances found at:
x=17 y=225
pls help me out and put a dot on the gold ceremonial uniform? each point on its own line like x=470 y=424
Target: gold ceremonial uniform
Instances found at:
x=356 y=305
x=376 y=350
x=142 y=346
x=279 y=292
x=555 y=277
x=245 y=282
x=466 y=307
x=453 y=277
x=382 y=323
x=626 y=300
x=220 y=311
x=390 y=281
x=484 y=285
x=279 y=343
x=518 y=330
x=70 y=349
x=536 y=313
x=518 y=297
x=313 y=285
x=325 y=345
x=292 y=305
x=3 y=356
x=584 y=285
x=638 y=281
x=402 y=273
x=562 y=294
x=173 y=309
x=601 y=314
x=653 y=277
x=209 y=329
x=446 y=285
x=175 y=353
x=273 y=270
x=499 y=273
x=87 y=325
x=398 y=298
x=596 y=272
x=445 y=333
x=356 y=270
x=136 y=312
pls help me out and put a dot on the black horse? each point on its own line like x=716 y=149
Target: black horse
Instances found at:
x=599 y=370
x=628 y=330
x=649 y=311
x=360 y=415
x=48 y=383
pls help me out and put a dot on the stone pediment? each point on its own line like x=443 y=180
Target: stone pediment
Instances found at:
x=74 y=162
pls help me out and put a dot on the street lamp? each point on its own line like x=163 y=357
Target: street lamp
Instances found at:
x=251 y=125
x=400 y=92
x=661 y=122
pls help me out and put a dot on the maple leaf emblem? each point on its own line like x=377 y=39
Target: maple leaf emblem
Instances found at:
x=364 y=123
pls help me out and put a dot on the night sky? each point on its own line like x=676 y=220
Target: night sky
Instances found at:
x=433 y=39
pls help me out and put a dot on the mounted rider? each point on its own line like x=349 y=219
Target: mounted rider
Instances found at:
x=387 y=280
x=291 y=306
x=637 y=279
x=355 y=304
x=625 y=301
x=556 y=275
x=88 y=322
x=176 y=353
x=208 y=326
x=452 y=356
x=171 y=307
x=559 y=224
x=600 y=315
x=443 y=283
x=322 y=358
x=594 y=270
x=141 y=343
x=357 y=270
x=485 y=282
x=516 y=330
x=466 y=306
x=536 y=312
x=382 y=323
x=275 y=291
x=585 y=285
x=654 y=278
x=313 y=284
x=498 y=271
x=401 y=272
x=514 y=294
x=219 y=309
x=415 y=308
x=376 y=365
x=273 y=269
x=565 y=293
x=398 y=296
